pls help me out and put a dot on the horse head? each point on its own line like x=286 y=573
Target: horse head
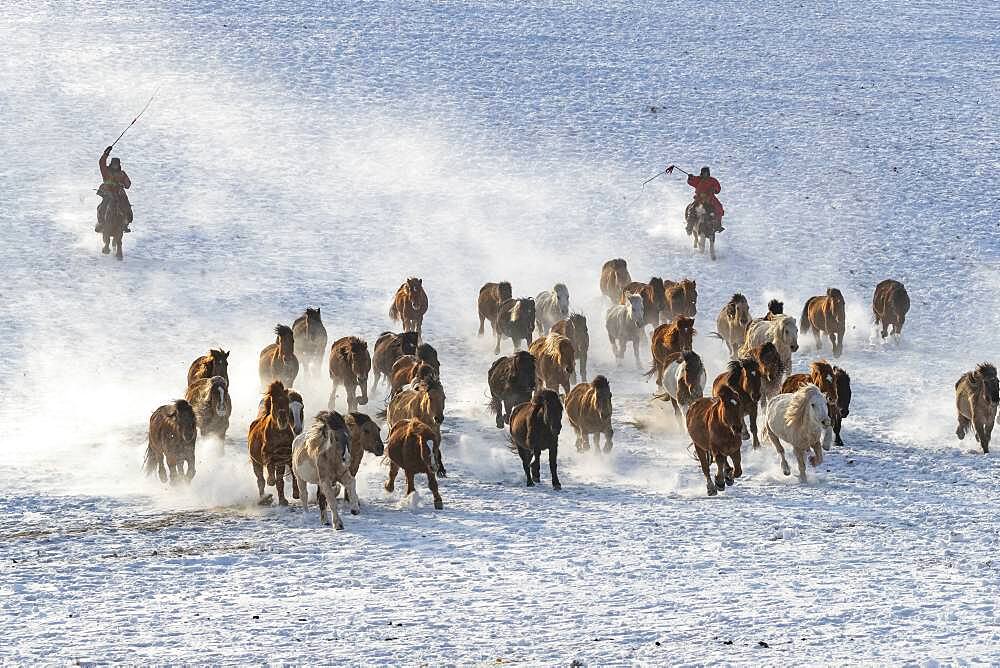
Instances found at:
x=987 y=375
x=369 y=434
x=750 y=380
x=187 y=423
x=787 y=331
x=220 y=389
x=636 y=310
x=551 y=409
x=408 y=342
x=296 y=408
x=691 y=373
x=276 y=404
x=685 y=330
x=220 y=362
x=843 y=391
x=732 y=416
x=436 y=397
x=522 y=370
x=427 y=353
x=690 y=296
x=602 y=393
x=285 y=340
x=562 y=298
x=658 y=292
x=738 y=311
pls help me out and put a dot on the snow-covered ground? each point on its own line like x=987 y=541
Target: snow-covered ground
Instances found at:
x=299 y=155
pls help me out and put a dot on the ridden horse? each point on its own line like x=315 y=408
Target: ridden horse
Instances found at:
x=654 y=300
x=535 y=426
x=310 y=336
x=681 y=299
x=390 y=347
x=683 y=382
x=667 y=339
x=215 y=363
x=843 y=402
x=491 y=296
x=977 y=394
x=702 y=225
x=781 y=330
x=714 y=425
x=349 y=366
x=551 y=306
x=625 y=323
x=554 y=361
x=515 y=321
x=424 y=364
x=172 y=435
x=270 y=444
x=320 y=456
x=772 y=371
x=409 y=305
x=365 y=437
x=614 y=278
x=731 y=325
x=512 y=381
x=278 y=360
x=414 y=447
x=826 y=314
x=113 y=220
x=423 y=400
x=890 y=304
x=803 y=420
x=743 y=377
x=822 y=375
x=575 y=329
x=588 y=409
x=209 y=398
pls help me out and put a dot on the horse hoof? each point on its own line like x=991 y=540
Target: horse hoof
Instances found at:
x=442 y=473
x=712 y=491
x=536 y=478
x=530 y=483
x=282 y=502
x=106 y=251
x=340 y=526
x=556 y=486
x=388 y=487
x=786 y=470
x=265 y=500
x=355 y=511
x=730 y=480
x=439 y=505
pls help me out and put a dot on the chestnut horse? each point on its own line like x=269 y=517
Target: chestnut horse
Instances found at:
x=350 y=365
x=409 y=305
x=554 y=361
x=614 y=278
x=215 y=363
x=424 y=364
x=977 y=394
x=681 y=299
x=588 y=409
x=423 y=400
x=320 y=456
x=516 y=321
x=535 y=426
x=414 y=447
x=390 y=347
x=310 y=335
x=270 y=443
x=551 y=306
x=654 y=301
x=683 y=382
x=826 y=314
x=574 y=328
x=675 y=337
x=512 y=381
x=278 y=360
x=209 y=397
x=491 y=296
x=714 y=425
x=365 y=437
x=731 y=325
x=743 y=377
x=890 y=305
x=172 y=435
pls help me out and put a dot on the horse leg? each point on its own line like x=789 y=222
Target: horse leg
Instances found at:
x=635 y=349
x=987 y=436
x=536 y=465
x=161 y=467
x=190 y=467
x=608 y=436
x=304 y=498
x=332 y=403
x=837 y=422
x=677 y=413
x=331 y=500
x=375 y=382
x=279 y=484
x=390 y=483
x=295 y=485
x=118 y=245
x=351 y=490
x=711 y=247
x=352 y=399
x=526 y=463
x=752 y=416
x=553 y=460
x=410 y=486
x=432 y=483
x=582 y=358
x=785 y=468
x=704 y=461
x=258 y=470
x=482 y=325
x=496 y=348
x=963 y=427
x=107 y=243
x=720 y=471
x=819 y=340
x=737 y=471
x=800 y=457
x=581 y=440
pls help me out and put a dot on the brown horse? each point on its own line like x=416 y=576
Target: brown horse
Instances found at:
x=535 y=426
x=714 y=426
x=743 y=378
x=977 y=394
x=278 y=360
x=350 y=365
x=515 y=321
x=209 y=397
x=588 y=409
x=270 y=443
x=654 y=300
x=554 y=361
x=826 y=314
x=574 y=328
x=424 y=364
x=113 y=219
x=512 y=382
x=681 y=299
x=731 y=325
x=310 y=336
x=666 y=341
x=414 y=447
x=215 y=363
x=425 y=401
x=172 y=435
x=822 y=375
x=409 y=305
x=890 y=305
x=772 y=371
x=390 y=347
x=843 y=401
x=614 y=278
x=491 y=296
x=365 y=437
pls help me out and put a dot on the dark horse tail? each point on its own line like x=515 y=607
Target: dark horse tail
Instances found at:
x=804 y=320
x=149 y=464
x=393 y=312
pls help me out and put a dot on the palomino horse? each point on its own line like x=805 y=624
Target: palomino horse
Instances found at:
x=515 y=321
x=843 y=402
x=714 y=425
x=654 y=300
x=310 y=336
x=675 y=337
x=821 y=374
x=588 y=409
x=215 y=363
x=350 y=365
x=625 y=323
x=683 y=382
x=414 y=447
x=575 y=329
x=731 y=325
x=113 y=219
x=681 y=299
x=270 y=443
x=278 y=360
x=512 y=382
x=701 y=225
x=554 y=361
x=977 y=394
x=320 y=456
x=890 y=305
x=826 y=314
x=781 y=330
x=423 y=400
x=209 y=398
x=772 y=371
x=614 y=278
x=409 y=305
x=743 y=377
x=803 y=420
x=551 y=306
x=172 y=435
x=491 y=296
x=390 y=347
x=535 y=426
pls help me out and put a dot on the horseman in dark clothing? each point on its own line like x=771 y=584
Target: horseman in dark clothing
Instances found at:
x=112 y=190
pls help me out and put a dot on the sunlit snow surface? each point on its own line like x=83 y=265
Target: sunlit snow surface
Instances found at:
x=303 y=155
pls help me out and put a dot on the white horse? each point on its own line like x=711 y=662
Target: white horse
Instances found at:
x=551 y=306
x=624 y=323
x=803 y=420
x=781 y=330
x=683 y=383
x=321 y=456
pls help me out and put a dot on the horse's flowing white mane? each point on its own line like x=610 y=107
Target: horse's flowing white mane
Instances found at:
x=317 y=432
x=799 y=419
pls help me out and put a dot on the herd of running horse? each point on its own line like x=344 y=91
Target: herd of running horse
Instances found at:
x=803 y=410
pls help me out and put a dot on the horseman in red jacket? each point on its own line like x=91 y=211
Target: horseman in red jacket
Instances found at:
x=115 y=183
x=706 y=187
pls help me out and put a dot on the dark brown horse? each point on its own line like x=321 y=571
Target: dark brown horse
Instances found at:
x=270 y=443
x=413 y=447
x=209 y=397
x=843 y=401
x=654 y=300
x=535 y=426
x=215 y=363
x=681 y=299
x=575 y=329
x=714 y=426
x=278 y=360
x=350 y=365
x=310 y=337
x=977 y=394
x=890 y=305
x=826 y=314
x=409 y=305
x=743 y=378
x=113 y=218
x=772 y=371
x=512 y=381
x=667 y=341
x=515 y=321
x=491 y=296
x=822 y=375
x=172 y=435
x=390 y=347
x=588 y=409
x=408 y=369
x=614 y=278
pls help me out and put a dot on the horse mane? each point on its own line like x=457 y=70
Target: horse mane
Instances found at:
x=361 y=419
x=504 y=290
x=283 y=331
x=795 y=415
x=600 y=383
x=218 y=355
x=988 y=373
x=275 y=388
x=692 y=362
x=319 y=427
x=578 y=320
x=768 y=353
x=733 y=372
x=553 y=347
x=356 y=345
x=617 y=263
x=656 y=285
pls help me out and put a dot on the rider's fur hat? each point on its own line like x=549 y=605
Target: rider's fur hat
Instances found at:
x=705 y=172
x=116 y=164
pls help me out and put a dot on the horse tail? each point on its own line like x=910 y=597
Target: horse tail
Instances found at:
x=393 y=311
x=715 y=335
x=651 y=372
x=494 y=405
x=149 y=463
x=804 y=320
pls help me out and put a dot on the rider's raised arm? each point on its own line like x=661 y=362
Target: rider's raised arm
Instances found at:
x=103 y=163
x=693 y=180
